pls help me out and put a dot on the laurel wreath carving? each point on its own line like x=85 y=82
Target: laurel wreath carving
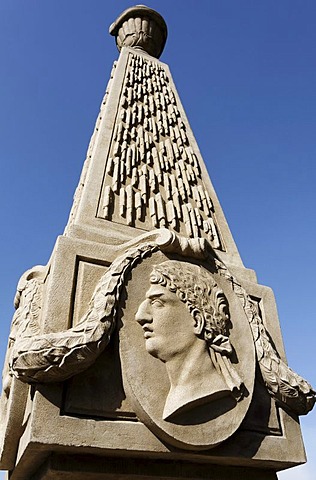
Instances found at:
x=52 y=357
x=57 y=356
x=286 y=386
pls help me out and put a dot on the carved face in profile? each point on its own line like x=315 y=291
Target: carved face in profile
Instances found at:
x=185 y=319
x=168 y=327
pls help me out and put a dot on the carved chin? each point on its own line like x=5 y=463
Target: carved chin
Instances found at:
x=153 y=348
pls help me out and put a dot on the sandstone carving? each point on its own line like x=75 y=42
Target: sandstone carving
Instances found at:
x=26 y=320
x=54 y=357
x=57 y=356
x=190 y=373
x=289 y=388
x=79 y=189
x=185 y=319
x=152 y=169
x=187 y=361
x=142 y=28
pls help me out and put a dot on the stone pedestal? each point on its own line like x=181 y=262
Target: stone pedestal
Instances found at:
x=85 y=467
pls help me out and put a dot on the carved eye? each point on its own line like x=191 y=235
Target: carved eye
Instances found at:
x=156 y=302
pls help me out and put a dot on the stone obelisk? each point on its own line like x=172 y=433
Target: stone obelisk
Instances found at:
x=145 y=348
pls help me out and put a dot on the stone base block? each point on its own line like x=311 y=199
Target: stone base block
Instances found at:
x=78 y=467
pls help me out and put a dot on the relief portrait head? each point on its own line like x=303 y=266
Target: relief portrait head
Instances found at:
x=185 y=319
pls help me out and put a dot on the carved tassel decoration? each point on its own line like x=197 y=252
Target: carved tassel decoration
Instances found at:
x=155 y=171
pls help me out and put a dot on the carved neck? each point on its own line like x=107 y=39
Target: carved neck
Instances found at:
x=187 y=365
x=193 y=381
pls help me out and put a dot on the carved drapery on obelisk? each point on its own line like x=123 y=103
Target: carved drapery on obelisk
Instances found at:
x=152 y=170
x=153 y=175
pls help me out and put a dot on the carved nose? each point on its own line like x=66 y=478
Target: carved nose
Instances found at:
x=143 y=314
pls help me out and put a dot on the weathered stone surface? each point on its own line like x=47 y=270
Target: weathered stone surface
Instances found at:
x=191 y=389
x=150 y=349
x=144 y=169
x=91 y=468
x=142 y=28
x=53 y=418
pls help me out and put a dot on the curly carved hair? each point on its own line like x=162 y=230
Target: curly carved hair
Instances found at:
x=195 y=287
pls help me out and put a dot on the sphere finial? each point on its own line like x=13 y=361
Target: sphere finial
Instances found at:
x=142 y=28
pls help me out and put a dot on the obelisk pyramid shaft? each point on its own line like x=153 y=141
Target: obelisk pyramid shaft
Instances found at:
x=146 y=170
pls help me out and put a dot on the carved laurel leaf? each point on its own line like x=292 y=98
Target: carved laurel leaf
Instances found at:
x=57 y=356
x=286 y=386
x=25 y=321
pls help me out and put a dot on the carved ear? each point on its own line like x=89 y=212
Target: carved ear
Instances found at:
x=198 y=321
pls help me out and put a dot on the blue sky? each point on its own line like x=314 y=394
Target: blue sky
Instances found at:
x=246 y=73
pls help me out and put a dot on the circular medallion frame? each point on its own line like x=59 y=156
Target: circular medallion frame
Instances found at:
x=146 y=381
